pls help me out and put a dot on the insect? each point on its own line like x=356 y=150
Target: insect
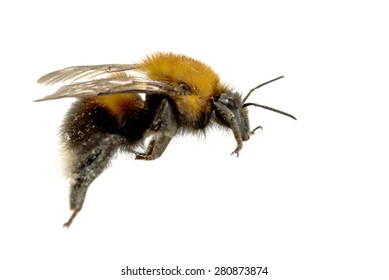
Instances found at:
x=139 y=108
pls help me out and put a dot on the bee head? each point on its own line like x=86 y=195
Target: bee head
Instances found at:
x=233 y=101
x=232 y=112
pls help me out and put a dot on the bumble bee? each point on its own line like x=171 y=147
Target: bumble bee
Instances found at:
x=130 y=106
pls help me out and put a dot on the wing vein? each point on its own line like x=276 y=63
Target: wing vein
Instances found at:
x=77 y=73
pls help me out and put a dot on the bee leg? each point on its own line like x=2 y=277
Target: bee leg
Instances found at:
x=88 y=166
x=229 y=119
x=163 y=128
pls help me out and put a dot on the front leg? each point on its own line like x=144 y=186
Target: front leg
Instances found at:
x=163 y=128
x=229 y=119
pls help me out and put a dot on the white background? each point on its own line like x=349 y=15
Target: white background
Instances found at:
x=307 y=198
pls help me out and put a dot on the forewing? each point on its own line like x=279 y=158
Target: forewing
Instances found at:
x=112 y=85
x=83 y=73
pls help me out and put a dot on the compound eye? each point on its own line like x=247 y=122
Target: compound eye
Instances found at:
x=228 y=102
x=234 y=105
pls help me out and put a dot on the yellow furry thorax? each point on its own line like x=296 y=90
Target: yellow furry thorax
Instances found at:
x=180 y=68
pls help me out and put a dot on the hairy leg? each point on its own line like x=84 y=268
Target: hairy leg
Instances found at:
x=229 y=118
x=85 y=167
x=163 y=128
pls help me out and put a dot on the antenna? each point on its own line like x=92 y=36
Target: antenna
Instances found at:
x=257 y=87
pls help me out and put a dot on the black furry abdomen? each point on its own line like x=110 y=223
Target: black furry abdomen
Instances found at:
x=87 y=123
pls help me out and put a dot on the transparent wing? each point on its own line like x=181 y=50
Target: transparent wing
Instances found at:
x=113 y=85
x=82 y=73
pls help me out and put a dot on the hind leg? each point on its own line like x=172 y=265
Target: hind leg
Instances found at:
x=86 y=167
x=90 y=142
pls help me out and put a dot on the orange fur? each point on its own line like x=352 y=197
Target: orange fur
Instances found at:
x=203 y=81
x=119 y=104
x=180 y=68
